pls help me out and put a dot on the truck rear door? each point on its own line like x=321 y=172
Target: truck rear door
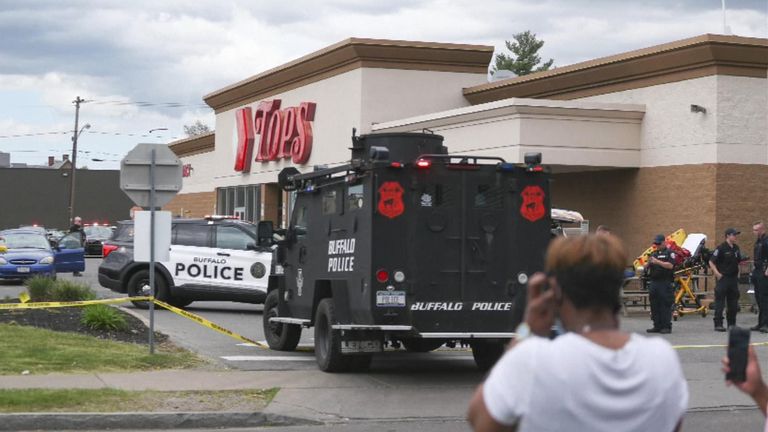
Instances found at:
x=477 y=228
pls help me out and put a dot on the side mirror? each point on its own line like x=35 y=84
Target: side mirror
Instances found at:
x=265 y=231
x=251 y=246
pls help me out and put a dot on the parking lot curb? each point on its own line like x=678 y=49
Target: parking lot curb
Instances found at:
x=145 y=420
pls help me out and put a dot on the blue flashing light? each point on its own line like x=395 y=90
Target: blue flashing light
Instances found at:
x=506 y=166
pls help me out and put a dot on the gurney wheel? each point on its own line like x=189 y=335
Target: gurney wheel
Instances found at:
x=674 y=317
x=704 y=313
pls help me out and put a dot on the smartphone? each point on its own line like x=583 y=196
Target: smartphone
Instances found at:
x=738 y=344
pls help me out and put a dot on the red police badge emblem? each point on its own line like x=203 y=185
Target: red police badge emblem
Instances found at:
x=533 y=203
x=391 y=199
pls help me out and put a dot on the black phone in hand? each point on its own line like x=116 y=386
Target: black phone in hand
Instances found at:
x=738 y=344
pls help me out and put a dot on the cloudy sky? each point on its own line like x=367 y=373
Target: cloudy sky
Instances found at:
x=145 y=64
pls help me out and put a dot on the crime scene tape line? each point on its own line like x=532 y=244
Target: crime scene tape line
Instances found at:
x=47 y=305
x=206 y=323
x=211 y=325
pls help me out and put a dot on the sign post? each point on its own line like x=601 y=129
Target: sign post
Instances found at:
x=157 y=164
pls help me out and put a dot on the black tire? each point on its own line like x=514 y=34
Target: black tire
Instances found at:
x=138 y=286
x=422 y=345
x=280 y=336
x=180 y=303
x=327 y=340
x=487 y=353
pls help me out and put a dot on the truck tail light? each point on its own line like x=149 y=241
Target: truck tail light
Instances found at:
x=382 y=275
x=107 y=249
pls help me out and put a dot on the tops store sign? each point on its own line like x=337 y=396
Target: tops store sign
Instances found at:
x=283 y=133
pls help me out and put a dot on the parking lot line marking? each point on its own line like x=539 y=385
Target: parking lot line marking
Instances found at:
x=267 y=358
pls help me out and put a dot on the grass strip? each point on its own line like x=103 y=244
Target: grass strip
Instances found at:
x=113 y=400
x=41 y=351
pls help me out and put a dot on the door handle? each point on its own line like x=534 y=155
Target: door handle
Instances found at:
x=222 y=254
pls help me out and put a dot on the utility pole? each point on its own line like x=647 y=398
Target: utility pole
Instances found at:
x=73 y=169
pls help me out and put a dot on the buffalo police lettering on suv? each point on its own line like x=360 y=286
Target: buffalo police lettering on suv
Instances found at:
x=215 y=258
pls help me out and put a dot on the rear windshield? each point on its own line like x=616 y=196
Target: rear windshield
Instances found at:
x=97 y=231
x=124 y=232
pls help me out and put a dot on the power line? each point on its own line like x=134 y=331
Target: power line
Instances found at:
x=93 y=132
x=142 y=104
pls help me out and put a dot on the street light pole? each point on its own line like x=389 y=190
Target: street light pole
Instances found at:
x=73 y=168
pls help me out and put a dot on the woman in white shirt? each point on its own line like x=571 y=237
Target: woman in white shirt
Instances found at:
x=593 y=378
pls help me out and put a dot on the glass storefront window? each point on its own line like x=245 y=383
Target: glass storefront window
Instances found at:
x=242 y=201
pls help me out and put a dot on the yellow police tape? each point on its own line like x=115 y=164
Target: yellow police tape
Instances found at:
x=196 y=318
x=206 y=323
x=48 y=305
x=213 y=326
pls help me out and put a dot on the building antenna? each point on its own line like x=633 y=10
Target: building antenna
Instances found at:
x=726 y=30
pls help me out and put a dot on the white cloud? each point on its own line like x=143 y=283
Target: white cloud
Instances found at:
x=178 y=51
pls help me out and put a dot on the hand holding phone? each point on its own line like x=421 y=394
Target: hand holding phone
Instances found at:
x=738 y=344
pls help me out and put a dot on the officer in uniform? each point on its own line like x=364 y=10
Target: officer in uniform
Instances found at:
x=660 y=291
x=759 y=277
x=724 y=263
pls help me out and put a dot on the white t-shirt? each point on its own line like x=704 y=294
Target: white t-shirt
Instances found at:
x=572 y=384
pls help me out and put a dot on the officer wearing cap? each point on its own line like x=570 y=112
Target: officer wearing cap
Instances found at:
x=660 y=291
x=724 y=263
x=759 y=277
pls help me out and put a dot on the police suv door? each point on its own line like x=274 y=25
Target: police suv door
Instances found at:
x=190 y=247
x=241 y=265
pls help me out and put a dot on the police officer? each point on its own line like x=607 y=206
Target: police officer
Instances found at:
x=724 y=263
x=759 y=277
x=660 y=291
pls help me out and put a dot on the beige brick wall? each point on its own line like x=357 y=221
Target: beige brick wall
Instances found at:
x=639 y=203
x=271 y=202
x=742 y=198
x=192 y=205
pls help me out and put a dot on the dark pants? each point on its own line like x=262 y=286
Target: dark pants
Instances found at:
x=726 y=295
x=760 y=283
x=661 y=295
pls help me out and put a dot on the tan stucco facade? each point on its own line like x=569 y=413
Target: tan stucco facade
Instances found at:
x=649 y=141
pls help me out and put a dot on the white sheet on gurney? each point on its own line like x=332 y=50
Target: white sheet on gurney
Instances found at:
x=693 y=242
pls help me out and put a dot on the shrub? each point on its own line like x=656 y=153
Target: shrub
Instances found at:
x=103 y=317
x=65 y=290
x=40 y=288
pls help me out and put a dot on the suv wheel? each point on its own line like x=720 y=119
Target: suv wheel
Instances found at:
x=280 y=336
x=138 y=286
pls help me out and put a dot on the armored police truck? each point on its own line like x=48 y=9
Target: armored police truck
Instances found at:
x=406 y=246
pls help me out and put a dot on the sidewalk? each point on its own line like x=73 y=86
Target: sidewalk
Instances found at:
x=305 y=397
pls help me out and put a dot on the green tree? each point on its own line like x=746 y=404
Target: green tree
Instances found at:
x=524 y=57
x=198 y=128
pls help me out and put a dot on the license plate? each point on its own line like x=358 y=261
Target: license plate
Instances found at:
x=361 y=346
x=390 y=298
x=22 y=269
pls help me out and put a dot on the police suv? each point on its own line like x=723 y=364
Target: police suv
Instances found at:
x=215 y=258
x=406 y=246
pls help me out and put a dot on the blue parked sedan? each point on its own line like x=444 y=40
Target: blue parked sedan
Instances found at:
x=28 y=253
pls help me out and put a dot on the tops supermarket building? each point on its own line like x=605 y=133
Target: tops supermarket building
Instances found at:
x=648 y=141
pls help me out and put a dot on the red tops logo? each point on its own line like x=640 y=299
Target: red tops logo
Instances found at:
x=284 y=134
x=533 y=203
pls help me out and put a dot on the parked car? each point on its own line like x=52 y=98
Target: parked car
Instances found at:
x=122 y=236
x=95 y=235
x=54 y=235
x=28 y=253
x=210 y=259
